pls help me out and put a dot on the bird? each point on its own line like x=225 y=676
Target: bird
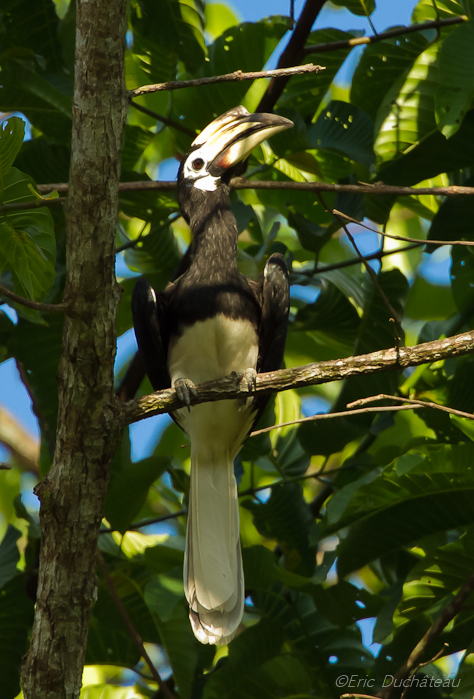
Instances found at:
x=207 y=323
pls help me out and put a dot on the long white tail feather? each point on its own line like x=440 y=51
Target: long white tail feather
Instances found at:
x=213 y=573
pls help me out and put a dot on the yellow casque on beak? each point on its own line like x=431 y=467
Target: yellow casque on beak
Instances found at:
x=233 y=135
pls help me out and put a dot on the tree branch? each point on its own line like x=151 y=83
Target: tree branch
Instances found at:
x=299 y=377
x=377 y=189
x=164 y=120
x=35 y=305
x=236 y=76
x=391 y=33
x=293 y=53
x=73 y=492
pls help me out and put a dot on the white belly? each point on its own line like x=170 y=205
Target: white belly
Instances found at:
x=208 y=350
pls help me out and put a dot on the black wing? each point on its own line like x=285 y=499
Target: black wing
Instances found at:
x=148 y=311
x=275 y=303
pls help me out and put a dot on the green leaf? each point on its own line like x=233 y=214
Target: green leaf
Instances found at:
x=311 y=236
x=437 y=575
x=332 y=316
x=45 y=100
x=38 y=347
x=175 y=26
x=456 y=79
x=432 y=156
x=181 y=647
x=286 y=517
x=27 y=242
x=16 y=618
x=162 y=559
x=33 y=25
x=9 y=555
x=106 y=646
x=129 y=485
x=357 y=7
x=426 y=10
x=406 y=115
x=135 y=140
x=304 y=93
x=395 y=510
x=453 y=221
x=12 y=131
x=219 y=18
x=380 y=66
x=464 y=681
x=375 y=331
x=465 y=425
x=250 y=650
x=246 y=47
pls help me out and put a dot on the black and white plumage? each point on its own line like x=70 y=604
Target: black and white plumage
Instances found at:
x=209 y=322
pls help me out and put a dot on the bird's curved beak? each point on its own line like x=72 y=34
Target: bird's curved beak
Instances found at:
x=232 y=136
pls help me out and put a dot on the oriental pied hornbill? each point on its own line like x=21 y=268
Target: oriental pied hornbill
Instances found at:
x=209 y=322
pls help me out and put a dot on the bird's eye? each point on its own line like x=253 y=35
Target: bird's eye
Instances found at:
x=197 y=164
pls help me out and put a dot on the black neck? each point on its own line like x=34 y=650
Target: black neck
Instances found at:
x=213 y=227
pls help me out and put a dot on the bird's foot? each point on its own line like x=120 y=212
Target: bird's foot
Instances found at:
x=247 y=380
x=185 y=389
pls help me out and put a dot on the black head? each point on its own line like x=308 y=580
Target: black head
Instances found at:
x=226 y=141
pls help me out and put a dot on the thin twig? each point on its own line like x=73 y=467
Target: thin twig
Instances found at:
x=447 y=615
x=401 y=237
x=236 y=76
x=35 y=305
x=130 y=627
x=148 y=522
x=141 y=238
x=36 y=204
x=414 y=402
x=342 y=413
x=164 y=120
x=364 y=40
x=356 y=260
x=427 y=662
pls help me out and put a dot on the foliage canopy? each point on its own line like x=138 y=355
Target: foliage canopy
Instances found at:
x=384 y=530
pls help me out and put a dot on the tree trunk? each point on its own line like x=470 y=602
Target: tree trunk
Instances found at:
x=72 y=495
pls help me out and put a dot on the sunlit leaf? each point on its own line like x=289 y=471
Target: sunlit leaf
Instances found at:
x=27 y=243
x=357 y=7
x=456 y=79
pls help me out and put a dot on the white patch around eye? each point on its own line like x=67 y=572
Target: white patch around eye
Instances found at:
x=202 y=179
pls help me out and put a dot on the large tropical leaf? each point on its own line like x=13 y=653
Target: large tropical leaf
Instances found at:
x=406 y=115
x=456 y=79
x=305 y=92
x=16 y=617
x=12 y=131
x=418 y=495
x=380 y=66
x=345 y=128
x=27 y=243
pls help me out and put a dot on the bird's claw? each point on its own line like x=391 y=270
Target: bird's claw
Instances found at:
x=185 y=389
x=247 y=380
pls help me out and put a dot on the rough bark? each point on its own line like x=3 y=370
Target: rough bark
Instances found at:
x=72 y=494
